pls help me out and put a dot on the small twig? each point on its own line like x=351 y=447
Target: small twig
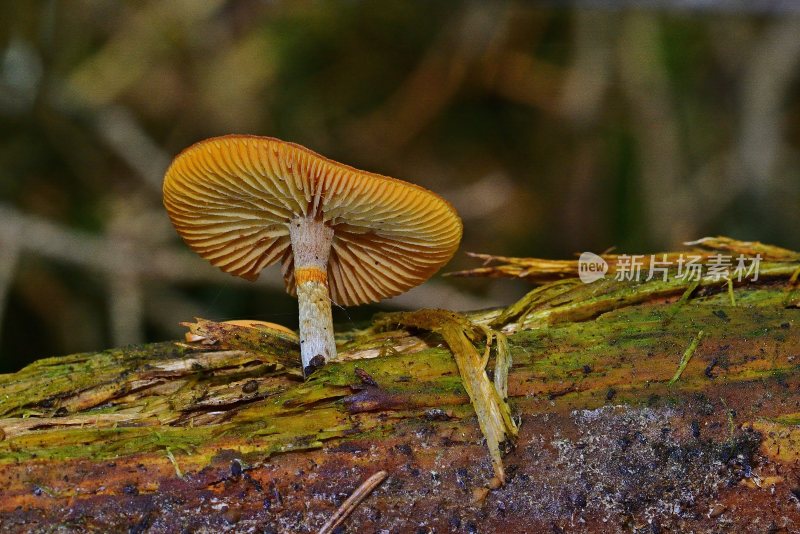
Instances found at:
x=353 y=501
x=174 y=463
x=791 y=296
x=794 y=277
x=687 y=294
x=502 y=365
x=486 y=353
x=730 y=292
x=686 y=357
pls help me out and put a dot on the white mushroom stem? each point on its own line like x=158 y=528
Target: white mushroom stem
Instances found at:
x=311 y=246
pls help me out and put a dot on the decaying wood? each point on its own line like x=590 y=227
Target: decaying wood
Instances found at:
x=539 y=270
x=629 y=419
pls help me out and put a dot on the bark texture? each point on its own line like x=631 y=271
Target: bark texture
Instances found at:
x=628 y=420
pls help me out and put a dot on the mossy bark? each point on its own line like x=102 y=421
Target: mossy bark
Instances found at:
x=225 y=434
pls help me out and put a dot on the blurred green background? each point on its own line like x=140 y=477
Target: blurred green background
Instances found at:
x=552 y=129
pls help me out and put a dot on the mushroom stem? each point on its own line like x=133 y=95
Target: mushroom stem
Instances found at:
x=311 y=246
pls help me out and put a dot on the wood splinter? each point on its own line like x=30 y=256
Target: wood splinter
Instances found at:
x=353 y=501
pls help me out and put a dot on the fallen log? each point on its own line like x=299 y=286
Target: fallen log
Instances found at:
x=640 y=406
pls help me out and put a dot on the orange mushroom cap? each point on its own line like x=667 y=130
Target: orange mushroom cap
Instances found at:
x=232 y=198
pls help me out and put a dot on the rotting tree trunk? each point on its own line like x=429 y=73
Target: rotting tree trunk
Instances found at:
x=225 y=435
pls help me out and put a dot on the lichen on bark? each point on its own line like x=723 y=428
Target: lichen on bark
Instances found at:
x=113 y=437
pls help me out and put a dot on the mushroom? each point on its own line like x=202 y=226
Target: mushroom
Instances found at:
x=343 y=235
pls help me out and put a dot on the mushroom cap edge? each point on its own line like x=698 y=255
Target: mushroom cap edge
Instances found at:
x=231 y=199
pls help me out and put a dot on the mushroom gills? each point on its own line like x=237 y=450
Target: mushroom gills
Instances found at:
x=311 y=245
x=233 y=198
